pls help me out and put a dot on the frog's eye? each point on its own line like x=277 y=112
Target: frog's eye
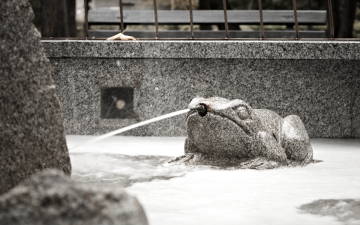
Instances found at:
x=243 y=112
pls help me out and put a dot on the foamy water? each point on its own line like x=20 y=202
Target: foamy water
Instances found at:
x=181 y=195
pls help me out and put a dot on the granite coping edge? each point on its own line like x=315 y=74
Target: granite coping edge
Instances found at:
x=347 y=50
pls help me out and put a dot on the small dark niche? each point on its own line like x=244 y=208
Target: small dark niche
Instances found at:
x=117 y=103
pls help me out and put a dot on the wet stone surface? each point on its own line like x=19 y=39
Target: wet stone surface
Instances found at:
x=344 y=210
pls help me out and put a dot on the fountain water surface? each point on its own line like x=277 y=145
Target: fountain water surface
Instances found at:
x=186 y=195
x=173 y=193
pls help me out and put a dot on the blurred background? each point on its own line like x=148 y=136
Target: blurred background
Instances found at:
x=65 y=18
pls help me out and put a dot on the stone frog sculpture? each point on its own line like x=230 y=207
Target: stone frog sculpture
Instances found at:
x=229 y=133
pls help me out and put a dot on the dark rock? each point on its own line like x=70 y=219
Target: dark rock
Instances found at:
x=55 y=18
x=50 y=197
x=32 y=133
x=345 y=210
x=232 y=133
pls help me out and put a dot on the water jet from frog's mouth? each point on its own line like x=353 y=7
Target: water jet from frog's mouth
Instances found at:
x=133 y=126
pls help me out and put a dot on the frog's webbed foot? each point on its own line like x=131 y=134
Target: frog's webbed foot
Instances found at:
x=190 y=153
x=183 y=159
x=121 y=36
x=259 y=163
x=295 y=140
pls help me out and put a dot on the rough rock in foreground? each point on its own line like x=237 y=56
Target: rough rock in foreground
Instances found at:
x=50 y=197
x=32 y=134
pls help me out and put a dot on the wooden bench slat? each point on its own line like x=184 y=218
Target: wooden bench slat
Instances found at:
x=210 y=34
x=106 y=16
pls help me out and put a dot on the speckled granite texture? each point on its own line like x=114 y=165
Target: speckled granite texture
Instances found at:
x=230 y=133
x=206 y=49
x=31 y=132
x=317 y=81
x=356 y=108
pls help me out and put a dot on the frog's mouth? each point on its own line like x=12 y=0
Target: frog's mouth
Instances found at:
x=203 y=110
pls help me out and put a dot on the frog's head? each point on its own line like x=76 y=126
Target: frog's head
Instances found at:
x=221 y=126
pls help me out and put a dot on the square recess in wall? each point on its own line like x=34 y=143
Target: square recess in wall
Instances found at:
x=117 y=103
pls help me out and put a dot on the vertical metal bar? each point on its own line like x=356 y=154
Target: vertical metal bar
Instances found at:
x=156 y=20
x=86 y=22
x=331 y=19
x=66 y=19
x=261 y=19
x=121 y=16
x=191 y=19
x=310 y=8
x=226 y=19
x=296 y=19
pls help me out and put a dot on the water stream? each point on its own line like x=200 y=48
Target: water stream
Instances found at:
x=133 y=126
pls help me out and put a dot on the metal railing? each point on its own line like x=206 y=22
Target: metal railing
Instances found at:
x=261 y=31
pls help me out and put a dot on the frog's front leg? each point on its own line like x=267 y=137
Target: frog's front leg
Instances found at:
x=295 y=140
x=259 y=163
x=268 y=147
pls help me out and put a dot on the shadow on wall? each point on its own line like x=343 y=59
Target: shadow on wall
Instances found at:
x=55 y=18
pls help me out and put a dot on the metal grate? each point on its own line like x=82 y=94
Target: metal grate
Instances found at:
x=227 y=36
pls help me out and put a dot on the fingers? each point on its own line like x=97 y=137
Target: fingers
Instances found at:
x=122 y=37
x=114 y=37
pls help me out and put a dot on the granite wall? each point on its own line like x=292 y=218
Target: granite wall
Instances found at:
x=319 y=81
